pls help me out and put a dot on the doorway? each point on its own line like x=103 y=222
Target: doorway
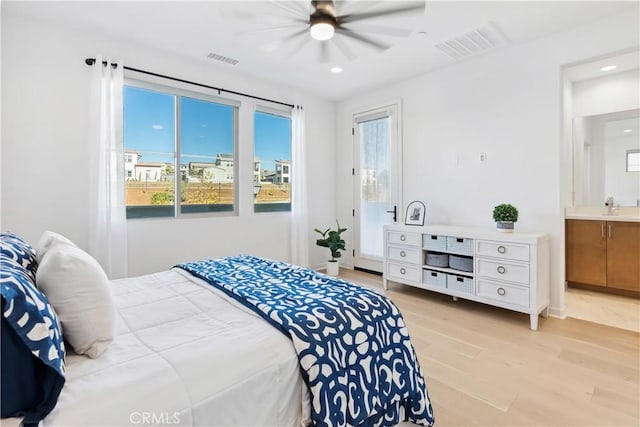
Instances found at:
x=597 y=137
x=377 y=182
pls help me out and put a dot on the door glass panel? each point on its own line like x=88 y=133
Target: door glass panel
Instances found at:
x=375 y=169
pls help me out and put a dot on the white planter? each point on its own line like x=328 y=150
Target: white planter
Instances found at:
x=333 y=268
x=505 y=226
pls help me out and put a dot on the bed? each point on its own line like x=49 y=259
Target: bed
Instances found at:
x=199 y=345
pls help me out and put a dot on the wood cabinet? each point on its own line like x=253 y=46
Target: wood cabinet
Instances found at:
x=586 y=252
x=509 y=270
x=623 y=255
x=603 y=253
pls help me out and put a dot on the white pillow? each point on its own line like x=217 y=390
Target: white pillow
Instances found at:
x=80 y=293
x=48 y=239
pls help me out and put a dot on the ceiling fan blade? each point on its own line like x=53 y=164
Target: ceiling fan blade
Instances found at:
x=342 y=46
x=271 y=30
x=303 y=39
x=294 y=8
x=415 y=7
x=324 y=53
x=366 y=40
x=297 y=33
x=377 y=29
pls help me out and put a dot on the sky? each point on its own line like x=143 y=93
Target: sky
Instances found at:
x=207 y=129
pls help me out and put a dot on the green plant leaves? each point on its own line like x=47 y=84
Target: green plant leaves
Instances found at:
x=331 y=239
x=505 y=212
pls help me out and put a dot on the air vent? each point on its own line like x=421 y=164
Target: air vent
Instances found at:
x=473 y=42
x=222 y=58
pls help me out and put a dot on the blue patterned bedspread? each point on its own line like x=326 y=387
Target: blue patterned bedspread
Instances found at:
x=353 y=346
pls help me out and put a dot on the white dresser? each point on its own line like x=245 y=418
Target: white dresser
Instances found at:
x=509 y=270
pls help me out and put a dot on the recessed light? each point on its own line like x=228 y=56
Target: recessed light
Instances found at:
x=609 y=68
x=336 y=70
x=627 y=131
x=421 y=33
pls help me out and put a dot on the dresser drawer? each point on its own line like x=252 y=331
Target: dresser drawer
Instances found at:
x=433 y=242
x=502 y=292
x=413 y=256
x=460 y=283
x=509 y=271
x=404 y=272
x=493 y=249
x=459 y=245
x=434 y=278
x=402 y=238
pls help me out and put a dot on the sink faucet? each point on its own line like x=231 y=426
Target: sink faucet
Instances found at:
x=609 y=204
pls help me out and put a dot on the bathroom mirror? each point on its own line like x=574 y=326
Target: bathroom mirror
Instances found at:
x=606 y=149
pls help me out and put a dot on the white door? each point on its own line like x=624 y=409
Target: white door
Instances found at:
x=377 y=196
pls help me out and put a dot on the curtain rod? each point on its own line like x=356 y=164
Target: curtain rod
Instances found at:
x=91 y=61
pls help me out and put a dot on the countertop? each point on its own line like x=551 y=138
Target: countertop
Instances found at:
x=624 y=214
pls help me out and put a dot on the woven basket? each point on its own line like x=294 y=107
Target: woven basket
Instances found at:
x=435 y=259
x=461 y=263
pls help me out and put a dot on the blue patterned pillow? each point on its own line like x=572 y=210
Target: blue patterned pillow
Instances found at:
x=14 y=248
x=30 y=319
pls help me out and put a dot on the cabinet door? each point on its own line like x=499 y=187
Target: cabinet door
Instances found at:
x=586 y=252
x=623 y=255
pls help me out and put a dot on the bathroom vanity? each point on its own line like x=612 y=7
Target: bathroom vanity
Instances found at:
x=603 y=250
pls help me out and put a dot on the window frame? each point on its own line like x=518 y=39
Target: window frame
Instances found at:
x=627 y=155
x=178 y=93
x=287 y=113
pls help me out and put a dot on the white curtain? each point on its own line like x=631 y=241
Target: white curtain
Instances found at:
x=299 y=221
x=107 y=215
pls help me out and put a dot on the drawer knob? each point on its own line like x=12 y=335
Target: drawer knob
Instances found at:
x=502 y=249
x=501 y=269
x=403 y=237
x=501 y=291
x=402 y=270
x=403 y=254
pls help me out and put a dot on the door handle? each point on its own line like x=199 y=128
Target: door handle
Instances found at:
x=394 y=212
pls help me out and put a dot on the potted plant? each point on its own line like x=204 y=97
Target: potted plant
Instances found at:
x=505 y=215
x=331 y=239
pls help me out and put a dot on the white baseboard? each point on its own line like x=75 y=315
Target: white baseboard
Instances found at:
x=560 y=313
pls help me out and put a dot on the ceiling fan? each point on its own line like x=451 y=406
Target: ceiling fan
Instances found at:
x=342 y=23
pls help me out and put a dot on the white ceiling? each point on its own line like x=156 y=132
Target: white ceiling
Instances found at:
x=195 y=29
x=593 y=69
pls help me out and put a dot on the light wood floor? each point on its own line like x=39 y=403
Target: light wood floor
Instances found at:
x=613 y=310
x=485 y=367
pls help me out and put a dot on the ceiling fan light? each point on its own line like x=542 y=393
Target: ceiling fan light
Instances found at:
x=322 y=30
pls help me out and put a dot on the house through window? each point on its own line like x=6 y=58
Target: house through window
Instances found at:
x=272 y=161
x=180 y=150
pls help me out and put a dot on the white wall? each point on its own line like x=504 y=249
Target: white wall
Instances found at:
x=623 y=186
x=615 y=92
x=44 y=154
x=506 y=104
x=593 y=103
x=594 y=138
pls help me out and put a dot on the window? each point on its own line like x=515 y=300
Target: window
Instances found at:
x=168 y=130
x=272 y=162
x=633 y=161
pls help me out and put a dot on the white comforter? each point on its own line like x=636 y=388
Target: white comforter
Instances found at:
x=184 y=354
